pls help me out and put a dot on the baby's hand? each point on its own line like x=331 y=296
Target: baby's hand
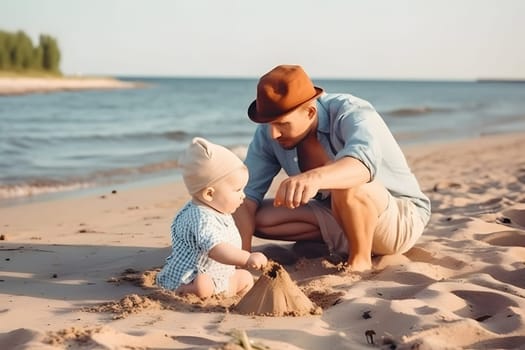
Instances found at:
x=257 y=261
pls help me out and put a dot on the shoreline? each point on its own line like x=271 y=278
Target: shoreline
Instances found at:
x=157 y=179
x=42 y=194
x=12 y=86
x=464 y=277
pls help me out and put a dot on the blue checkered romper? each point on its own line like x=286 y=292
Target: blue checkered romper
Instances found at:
x=195 y=230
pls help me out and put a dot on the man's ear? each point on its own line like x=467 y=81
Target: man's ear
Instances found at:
x=207 y=194
x=312 y=111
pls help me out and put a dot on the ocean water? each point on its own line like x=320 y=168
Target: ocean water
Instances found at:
x=66 y=141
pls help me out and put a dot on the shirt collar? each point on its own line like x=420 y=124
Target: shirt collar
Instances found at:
x=323 y=123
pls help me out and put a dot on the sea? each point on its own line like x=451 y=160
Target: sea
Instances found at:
x=74 y=142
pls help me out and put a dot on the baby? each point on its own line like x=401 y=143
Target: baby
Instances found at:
x=206 y=244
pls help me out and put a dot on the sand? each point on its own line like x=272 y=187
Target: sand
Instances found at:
x=79 y=272
x=27 y=85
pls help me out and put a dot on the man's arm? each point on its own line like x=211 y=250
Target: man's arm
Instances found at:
x=244 y=218
x=346 y=172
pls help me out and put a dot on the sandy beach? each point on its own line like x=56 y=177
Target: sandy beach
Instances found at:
x=79 y=272
x=27 y=85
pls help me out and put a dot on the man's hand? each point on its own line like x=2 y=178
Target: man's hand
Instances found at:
x=297 y=190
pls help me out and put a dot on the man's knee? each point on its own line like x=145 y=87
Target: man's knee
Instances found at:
x=351 y=198
x=370 y=197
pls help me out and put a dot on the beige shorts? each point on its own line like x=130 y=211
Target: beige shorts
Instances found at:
x=397 y=230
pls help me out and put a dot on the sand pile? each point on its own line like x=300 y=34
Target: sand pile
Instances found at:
x=275 y=294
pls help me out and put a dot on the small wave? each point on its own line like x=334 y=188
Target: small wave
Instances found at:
x=118 y=175
x=413 y=111
x=176 y=135
x=26 y=142
x=28 y=190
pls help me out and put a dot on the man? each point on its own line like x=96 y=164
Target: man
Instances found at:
x=348 y=181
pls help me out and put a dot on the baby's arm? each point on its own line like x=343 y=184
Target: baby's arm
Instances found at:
x=228 y=254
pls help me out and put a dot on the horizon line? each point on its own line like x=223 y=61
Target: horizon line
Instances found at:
x=408 y=79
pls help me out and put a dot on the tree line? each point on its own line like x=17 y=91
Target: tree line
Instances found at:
x=18 y=54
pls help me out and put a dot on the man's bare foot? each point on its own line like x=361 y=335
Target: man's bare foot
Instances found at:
x=359 y=265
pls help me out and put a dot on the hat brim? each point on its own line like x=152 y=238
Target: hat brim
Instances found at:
x=252 y=109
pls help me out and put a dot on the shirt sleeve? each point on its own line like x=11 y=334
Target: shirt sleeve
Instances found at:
x=356 y=130
x=262 y=165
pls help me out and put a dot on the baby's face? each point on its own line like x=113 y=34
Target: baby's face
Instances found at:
x=229 y=192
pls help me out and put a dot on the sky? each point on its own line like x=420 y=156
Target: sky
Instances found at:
x=347 y=39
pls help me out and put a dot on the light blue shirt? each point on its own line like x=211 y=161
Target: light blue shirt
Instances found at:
x=348 y=127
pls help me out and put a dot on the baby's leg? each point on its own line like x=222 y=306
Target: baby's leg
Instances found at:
x=202 y=286
x=240 y=282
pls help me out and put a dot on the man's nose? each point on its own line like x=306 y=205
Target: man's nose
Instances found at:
x=274 y=133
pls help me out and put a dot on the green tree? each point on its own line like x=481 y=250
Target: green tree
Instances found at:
x=5 y=49
x=17 y=53
x=22 y=53
x=38 y=58
x=50 y=53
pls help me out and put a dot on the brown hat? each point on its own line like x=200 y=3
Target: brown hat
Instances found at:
x=280 y=91
x=205 y=163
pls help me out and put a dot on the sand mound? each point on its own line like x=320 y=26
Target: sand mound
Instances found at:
x=72 y=337
x=130 y=304
x=275 y=294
